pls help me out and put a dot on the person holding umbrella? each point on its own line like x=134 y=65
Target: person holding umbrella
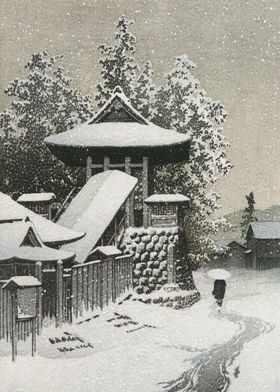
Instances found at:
x=220 y=277
x=219 y=291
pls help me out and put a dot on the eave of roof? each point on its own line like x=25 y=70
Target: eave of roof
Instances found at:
x=12 y=236
x=136 y=138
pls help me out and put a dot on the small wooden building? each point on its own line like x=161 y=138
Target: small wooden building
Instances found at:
x=229 y=253
x=41 y=203
x=166 y=209
x=263 y=241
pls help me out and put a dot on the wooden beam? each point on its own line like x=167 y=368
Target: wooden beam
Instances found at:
x=117 y=165
x=136 y=165
x=106 y=163
x=129 y=204
x=59 y=293
x=89 y=168
x=145 y=189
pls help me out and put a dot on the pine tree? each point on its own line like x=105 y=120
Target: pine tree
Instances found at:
x=118 y=66
x=43 y=103
x=183 y=105
x=144 y=94
x=248 y=215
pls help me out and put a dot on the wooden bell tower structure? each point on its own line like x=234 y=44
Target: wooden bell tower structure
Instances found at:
x=119 y=137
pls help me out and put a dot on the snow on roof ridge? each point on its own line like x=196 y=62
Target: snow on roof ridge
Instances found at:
x=118 y=92
x=167 y=197
x=265 y=229
x=23 y=281
x=36 y=196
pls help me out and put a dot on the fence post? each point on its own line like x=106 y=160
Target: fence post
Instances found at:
x=131 y=268
x=100 y=279
x=74 y=292
x=85 y=287
x=38 y=275
x=90 y=286
x=59 y=293
x=14 y=326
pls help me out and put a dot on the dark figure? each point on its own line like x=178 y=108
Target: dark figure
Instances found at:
x=219 y=291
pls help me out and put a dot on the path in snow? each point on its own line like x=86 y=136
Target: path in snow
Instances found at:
x=209 y=372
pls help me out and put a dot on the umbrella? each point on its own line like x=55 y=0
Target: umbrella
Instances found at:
x=218 y=274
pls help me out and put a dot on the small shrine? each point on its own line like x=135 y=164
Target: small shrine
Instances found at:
x=119 y=137
x=166 y=209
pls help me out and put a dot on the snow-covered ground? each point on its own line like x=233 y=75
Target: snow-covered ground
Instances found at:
x=140 y=347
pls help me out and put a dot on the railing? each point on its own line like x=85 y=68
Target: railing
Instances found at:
x=62 y=207
x=119 y=230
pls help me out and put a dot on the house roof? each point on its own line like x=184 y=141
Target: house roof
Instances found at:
x=49 y=232
x=94 y=207
x=107 y=251
x=167 y=198
x=265 y=230
x=13 y=236
x=22 y=281
x=36 y=197
x=220 y=244
x=127 y=135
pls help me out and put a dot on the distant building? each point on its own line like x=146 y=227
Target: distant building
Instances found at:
x=263 y=241
x=229 y=253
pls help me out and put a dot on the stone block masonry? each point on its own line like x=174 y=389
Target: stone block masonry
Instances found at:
x=149 y=249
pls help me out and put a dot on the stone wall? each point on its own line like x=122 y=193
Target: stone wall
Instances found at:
x=149 y=249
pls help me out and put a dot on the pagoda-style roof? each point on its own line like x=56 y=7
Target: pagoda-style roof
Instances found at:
x=119 y=130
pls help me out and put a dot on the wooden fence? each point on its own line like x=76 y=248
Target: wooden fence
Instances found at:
x=5 y=312
x=95 y=284
x=84 y=287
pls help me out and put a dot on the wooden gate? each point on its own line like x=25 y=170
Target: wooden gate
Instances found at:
x=49 y=293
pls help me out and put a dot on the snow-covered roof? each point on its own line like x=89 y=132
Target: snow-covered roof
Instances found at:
x=120 y=99
x=220 y=244
x=36 y=197
x=23 y=281
x=13 y=237
x=107 y=251
x=117 y=134
x=265 y=230
x=167 y=198
x=50 y=233
x=120 y=136
x=94 y=207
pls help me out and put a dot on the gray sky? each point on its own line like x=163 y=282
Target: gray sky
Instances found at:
x=235 y=43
